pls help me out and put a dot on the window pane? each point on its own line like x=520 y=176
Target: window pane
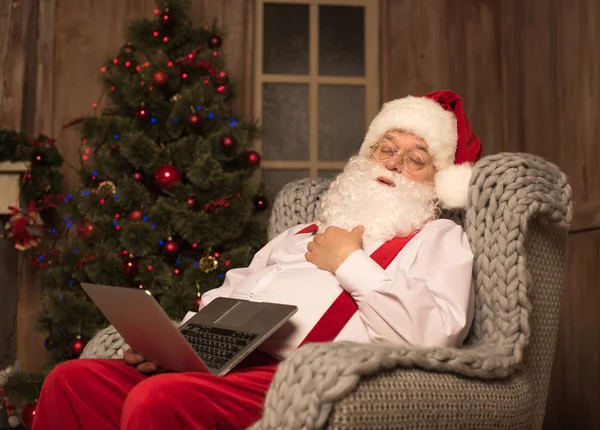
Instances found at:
x=341 y=41
x=341 y=121
x=275 y=180
x=285 y=122
x=285 y=39
x=329 y=174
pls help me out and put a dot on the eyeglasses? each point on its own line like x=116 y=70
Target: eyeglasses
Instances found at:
x=412 y=160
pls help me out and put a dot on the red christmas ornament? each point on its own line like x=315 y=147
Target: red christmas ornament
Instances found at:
x=76 y=347
x=38 y=158
x=191 y=203
x=130 y=266
x=195 y=122
x=136 y=215
x=215 y=41
x=253 y=158
x=260 y=203
x=85 y=230
x=165 y=19
x=171 y=248
x=143 y=114
x=138 y=176
x=129 y=48
x=28 y=413
x=160 y=77
x=228 y=143
x=167 y=176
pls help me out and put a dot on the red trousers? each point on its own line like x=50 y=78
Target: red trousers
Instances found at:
x=94 y=394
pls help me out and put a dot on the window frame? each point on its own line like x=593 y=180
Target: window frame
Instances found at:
x=370 y=81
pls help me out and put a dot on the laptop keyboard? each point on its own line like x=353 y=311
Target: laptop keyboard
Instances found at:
x=216 y=346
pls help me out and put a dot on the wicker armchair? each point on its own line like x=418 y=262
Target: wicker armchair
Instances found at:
x=517 y=222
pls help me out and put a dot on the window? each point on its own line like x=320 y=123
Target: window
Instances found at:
x=316 y=84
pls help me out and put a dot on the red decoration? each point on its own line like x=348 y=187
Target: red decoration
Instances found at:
x=76 y=347
x=167 y=176
x=253 y=158
x=213 y=206
x=38 y=159
x=160 y=77
x=224 y=89
x=129 y=48
x=136 y=215
x=260 y=203
x=195 y=122
x=165 y=19
x=28 y=413
x=191 y=203
x=171 y=248
x=215 y=41
x=228 y=143
x=26 y=229
x=143 y=114
x=130 y=266
x=138 y=176
x=85 y=230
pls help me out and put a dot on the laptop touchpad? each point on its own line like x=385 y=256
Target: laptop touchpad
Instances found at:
x=240 y=314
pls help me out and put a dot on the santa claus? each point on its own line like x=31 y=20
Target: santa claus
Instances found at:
x=378 y=265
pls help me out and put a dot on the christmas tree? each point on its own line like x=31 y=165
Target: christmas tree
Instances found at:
x=170 y=195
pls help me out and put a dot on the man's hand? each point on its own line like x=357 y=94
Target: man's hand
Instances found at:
x=134 y=359
x=330 y=249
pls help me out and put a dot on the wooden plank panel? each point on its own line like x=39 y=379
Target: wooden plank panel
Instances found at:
x=8 y=291
x=578 y=76
x=432 y=45
x=5 y=14
x=413 y=36
x=14 y=65
x=530 y=64
x=44 y=104
x=574 y=398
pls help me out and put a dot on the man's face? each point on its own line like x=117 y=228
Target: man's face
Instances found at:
x=386 y=195
x=406 y=154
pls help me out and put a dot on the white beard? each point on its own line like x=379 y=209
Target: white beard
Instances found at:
x=356 y=198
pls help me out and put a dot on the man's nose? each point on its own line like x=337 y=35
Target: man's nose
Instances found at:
x=394 y=163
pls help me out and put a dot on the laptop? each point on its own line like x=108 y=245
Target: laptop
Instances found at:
x=214 y=340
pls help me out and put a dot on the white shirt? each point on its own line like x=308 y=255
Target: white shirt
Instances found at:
x=424 y=297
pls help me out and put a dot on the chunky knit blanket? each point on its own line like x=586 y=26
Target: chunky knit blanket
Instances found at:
x=507 y=192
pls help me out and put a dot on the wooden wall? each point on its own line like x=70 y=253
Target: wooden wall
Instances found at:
x=529 y=74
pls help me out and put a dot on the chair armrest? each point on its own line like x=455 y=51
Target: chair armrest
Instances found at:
x=307 y=385
x=411 y=398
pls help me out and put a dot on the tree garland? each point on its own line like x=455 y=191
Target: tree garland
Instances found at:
x=40 y=185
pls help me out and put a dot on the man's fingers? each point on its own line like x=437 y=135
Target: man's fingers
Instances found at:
x=310 y=246
x=359 y=230
x=317 y=237
x=132 y=358
x=147 y=367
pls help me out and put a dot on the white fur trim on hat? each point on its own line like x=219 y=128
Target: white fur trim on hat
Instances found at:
x=452 y=185
x=422 y=117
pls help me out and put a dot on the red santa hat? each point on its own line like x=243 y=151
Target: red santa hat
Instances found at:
x=439 y=119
